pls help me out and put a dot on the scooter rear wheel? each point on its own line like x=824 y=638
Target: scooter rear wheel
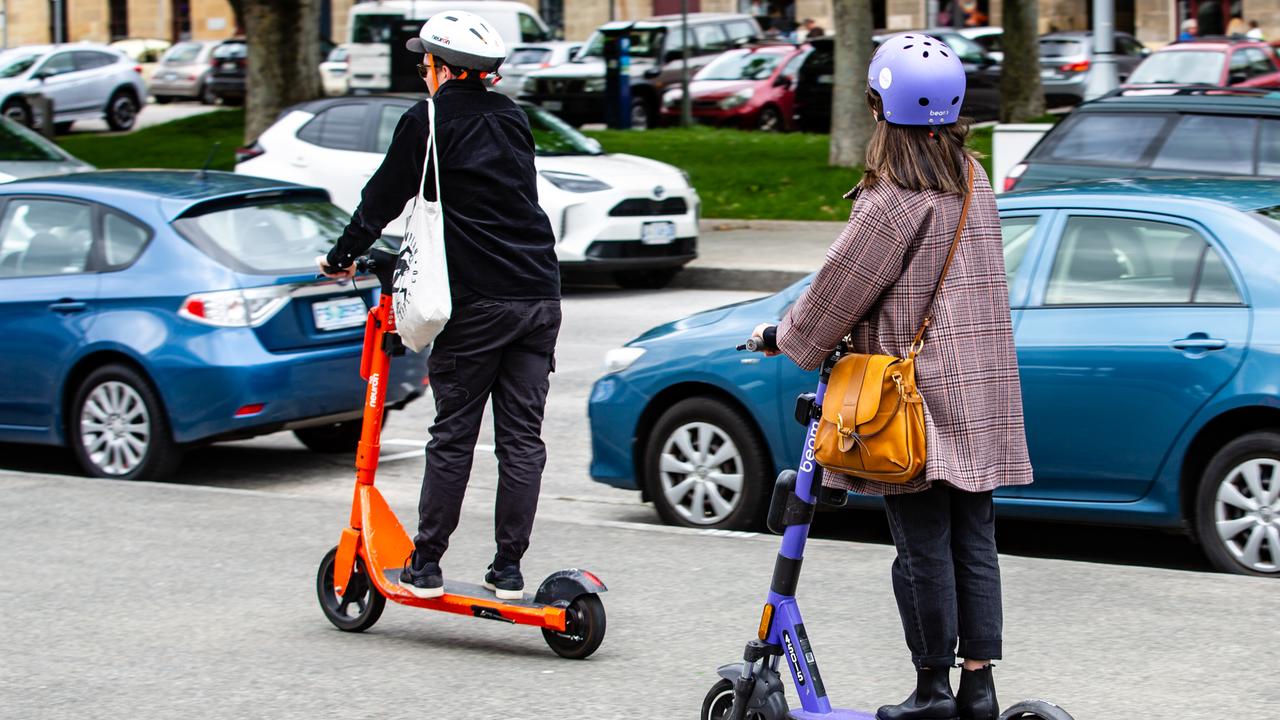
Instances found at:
x=583 y=631
x=356 y=610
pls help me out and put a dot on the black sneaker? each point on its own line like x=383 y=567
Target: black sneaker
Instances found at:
x=507 y=583
x=425 y=582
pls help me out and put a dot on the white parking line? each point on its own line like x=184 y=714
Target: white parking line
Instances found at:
x=416 y=453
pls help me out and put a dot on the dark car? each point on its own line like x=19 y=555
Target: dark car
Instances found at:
x=817 y=78
x=230 y=64
x=1159 y=132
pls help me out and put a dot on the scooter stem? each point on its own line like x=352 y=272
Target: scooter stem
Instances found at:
x=375 y=362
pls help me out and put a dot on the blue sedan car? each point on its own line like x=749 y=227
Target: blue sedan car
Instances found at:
x=145 y=311
x=1147 y=323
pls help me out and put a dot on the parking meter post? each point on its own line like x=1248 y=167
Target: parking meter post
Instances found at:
x=1102 y=74
x=617 y=76
x=686 y=102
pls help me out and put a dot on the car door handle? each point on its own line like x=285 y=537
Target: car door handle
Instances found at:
x=67 y=305
x=1199 y=342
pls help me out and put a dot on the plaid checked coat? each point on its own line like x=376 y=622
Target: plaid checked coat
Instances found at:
x=876 y=282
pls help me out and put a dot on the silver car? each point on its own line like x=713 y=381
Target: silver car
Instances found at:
x=183 y=73
x=1066 y=59
x=24 y=154
x=83 y=81
x=534 y=56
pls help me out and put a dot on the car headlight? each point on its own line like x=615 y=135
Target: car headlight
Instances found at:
x=530 y=85
x=619 y=359
x=737 y=99
x=574 y=182
x=687 y=180
x=671 y=98
x=594 y=85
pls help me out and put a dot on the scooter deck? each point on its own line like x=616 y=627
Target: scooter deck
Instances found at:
x=465 y=590
x=835 y=714
x=464 y=598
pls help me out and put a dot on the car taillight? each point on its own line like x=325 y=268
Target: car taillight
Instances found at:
x=249 y=152
x=137 y=69
x=1075 y=66
x=1014 y=173
x=235 y=308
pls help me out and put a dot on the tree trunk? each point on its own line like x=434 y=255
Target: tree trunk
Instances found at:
x=851 y=121
x=284 y=59
x=1021 y=98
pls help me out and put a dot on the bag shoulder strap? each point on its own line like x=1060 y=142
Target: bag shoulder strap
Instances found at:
x=918 y=343
x=433 y=159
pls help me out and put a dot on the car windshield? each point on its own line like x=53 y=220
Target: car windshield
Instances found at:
x=1271 y=215
x=229 y=51
x=374 y=28
x=338 y=54
x=20 y=144
x=741 y=65
x=1060 y=47
x=1185 y=67
x=645 y=43
x=552 y=136
x=16 y=65
x=529 y=56
x=266 y=238
x=182 y=53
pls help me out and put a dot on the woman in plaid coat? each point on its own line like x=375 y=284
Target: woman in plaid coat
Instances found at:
x=875 y=286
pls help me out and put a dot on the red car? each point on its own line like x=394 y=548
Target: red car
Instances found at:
x=1227 y=62
x=752 y=87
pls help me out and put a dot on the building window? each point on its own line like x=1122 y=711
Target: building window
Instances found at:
x=181 y=14
x=119 y=19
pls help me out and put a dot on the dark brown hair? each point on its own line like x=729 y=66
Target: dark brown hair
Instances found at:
x=916 y=157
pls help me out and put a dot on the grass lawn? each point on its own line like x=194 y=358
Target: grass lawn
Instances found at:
x=182 y=143
x=755 y=175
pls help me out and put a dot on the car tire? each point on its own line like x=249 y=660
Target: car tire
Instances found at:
x=207 y=95
x=641 y=116
x=18 y=111
x=163 y=99
x=118 y=428
x=703 y=425
x=1234 y=522
x=122 y=111
x=645 y=279
x=771 y=120
x=63 y=128
x=232 y=101
x=336 y=438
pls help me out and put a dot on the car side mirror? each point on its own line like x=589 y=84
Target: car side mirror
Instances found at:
x=41 y=75
x=783 y=81
x=1237 y=78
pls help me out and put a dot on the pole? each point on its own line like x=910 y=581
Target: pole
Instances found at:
x=1102 y=74
x=930 y=13
x=6 y=23
x=686 y=102
x=612 y=10
x=59 y=32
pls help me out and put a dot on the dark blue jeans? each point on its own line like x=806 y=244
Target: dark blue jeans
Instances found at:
x=946 y=577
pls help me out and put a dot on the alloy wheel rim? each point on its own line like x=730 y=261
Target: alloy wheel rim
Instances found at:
x=16 y=114
x=769 y=121
x=124 y=111
x=723 y=703
x=639 y=117
x=1247 y=514
x=701 y=472
x=115 y=428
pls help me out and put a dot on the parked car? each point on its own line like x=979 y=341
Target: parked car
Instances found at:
x=183 y=73
x=817 y=77
x=142 y=50
x=575 y=90
x=631 y=217
x=25 y=154
x=1148 y=375
x=83 y=82
x=529 y=57
x=1233 y=62
x=335 y=71
x=990 y=38
x=147 y=311
x=1175 y=131
x=1066 y=59
x=751 y=87
x=229 y=64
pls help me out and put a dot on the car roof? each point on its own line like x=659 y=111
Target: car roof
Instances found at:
x=662 y=21
x=1240 y=193
x=1226 y=101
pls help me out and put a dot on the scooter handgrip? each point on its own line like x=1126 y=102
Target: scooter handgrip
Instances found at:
x=752 y=345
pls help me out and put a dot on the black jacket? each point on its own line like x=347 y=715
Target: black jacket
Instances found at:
x=498 y=241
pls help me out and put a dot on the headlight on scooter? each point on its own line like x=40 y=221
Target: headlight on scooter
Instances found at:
x=574 y=182
x=619 y=359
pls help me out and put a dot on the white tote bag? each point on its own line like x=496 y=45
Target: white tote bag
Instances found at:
x=422 y=302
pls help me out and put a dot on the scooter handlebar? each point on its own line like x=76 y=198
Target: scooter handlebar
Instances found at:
x=753 y=344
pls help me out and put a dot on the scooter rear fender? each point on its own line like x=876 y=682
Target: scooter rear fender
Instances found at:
x=564 y=586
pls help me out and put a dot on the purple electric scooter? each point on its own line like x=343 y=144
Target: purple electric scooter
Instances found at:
x=753 y=689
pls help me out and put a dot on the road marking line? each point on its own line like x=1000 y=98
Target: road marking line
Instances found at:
x=481 y=447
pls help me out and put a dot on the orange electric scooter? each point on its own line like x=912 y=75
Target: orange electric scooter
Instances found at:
x=357 y=577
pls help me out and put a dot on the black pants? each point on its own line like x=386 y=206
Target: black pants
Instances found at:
x=504 y=349
x=946 y=577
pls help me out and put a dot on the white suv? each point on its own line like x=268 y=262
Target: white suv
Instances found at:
x=82 y=81
x=631 y=217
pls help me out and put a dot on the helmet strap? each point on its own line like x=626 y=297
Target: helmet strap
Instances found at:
x=435 y=80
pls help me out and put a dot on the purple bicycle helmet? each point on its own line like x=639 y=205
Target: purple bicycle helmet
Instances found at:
x=919 y=79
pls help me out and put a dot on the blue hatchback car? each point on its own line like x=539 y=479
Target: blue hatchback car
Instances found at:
x=1147 y=323
x=144 y=311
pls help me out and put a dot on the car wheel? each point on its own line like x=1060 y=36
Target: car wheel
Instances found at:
x=17 y=111
x=163 y=99
x=770 y=120
x=63 y=128
x=122 y=111
x=1238 y=506
x=704 y=467
x=645 y=279
x=640 y=114
x=207 y=95
x=233 y=101
x=118 y=427
x=341 y=437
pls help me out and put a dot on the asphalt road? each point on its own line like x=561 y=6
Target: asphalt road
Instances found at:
x=196 y=598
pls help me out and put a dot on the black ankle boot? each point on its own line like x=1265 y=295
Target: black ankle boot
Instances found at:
x=932 y=699
x=977 y=696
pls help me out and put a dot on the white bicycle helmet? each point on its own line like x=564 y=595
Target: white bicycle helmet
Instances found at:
x=462 y=40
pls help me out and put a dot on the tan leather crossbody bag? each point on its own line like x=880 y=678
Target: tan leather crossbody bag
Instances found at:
x=872 y=423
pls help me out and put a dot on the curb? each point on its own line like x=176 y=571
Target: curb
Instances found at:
x=713 y=278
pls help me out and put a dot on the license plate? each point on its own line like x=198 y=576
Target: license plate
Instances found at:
x=339 y=314
x=171 y=76
x=230 y=66
x=1048 y=74
x=552 y=105
x=657 y=233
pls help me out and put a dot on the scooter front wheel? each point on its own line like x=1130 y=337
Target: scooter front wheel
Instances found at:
x=583 y=629
x=1035 y=710
x=719 y=701
x=359 y=607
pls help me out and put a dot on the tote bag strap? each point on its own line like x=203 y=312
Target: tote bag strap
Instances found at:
x=433 y=158
x=918 y=343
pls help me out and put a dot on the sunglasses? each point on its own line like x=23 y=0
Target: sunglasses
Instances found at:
x=424 y=70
